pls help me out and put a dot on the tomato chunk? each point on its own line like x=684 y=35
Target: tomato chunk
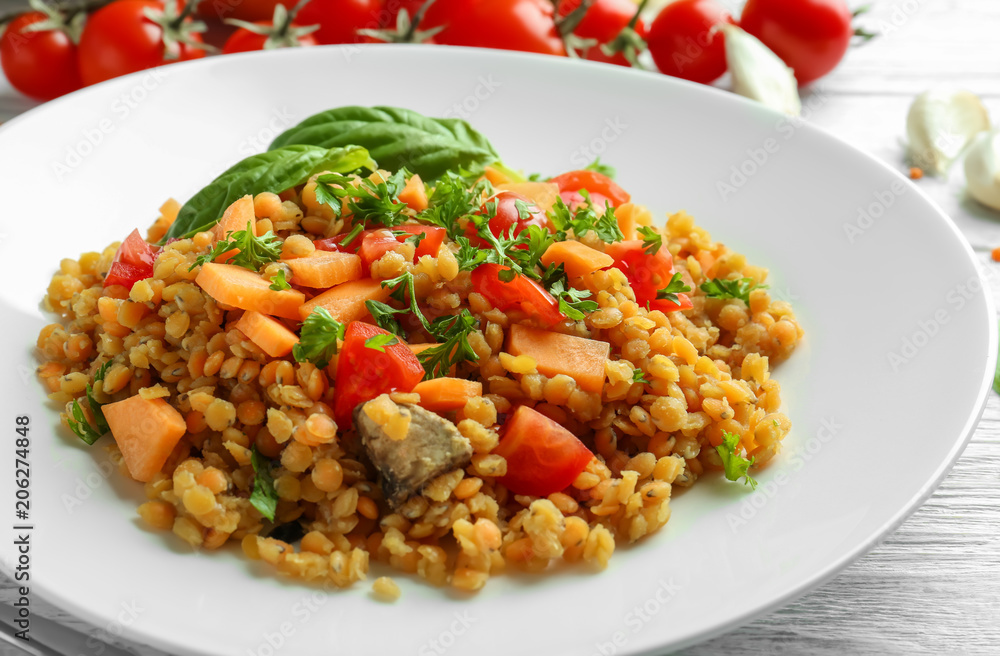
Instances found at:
x=599 y=186
x=429 y=245
x=522 y=293
x=364 y=373
x=133 y=262
x=374 y=245
x=508 y=216
x=647 y=274
x=542 y=456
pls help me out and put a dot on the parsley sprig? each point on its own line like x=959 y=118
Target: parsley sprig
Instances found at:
x=379 y=342
x=455 y=195
x=572 y=301
x=674 y=287
x=367 y=200
x=520 y=255
x=318 y=338
x=639 y=376
x=584 y=220
x=253 y=251
x=452 y=331
x=604 y=169
x=722 y=288
x=264 y=497
x=652 y=239
x=385 y=316
x=403 y=291
x=278 y=282
x=78 y=420
x=734 y=464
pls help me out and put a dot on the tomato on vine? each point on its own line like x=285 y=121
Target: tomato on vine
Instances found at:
x=280 y=32
x=600 y=25
x=38 y=52
x=685 y=42
x=134 y=35
x=525 y=25
x=340 y=20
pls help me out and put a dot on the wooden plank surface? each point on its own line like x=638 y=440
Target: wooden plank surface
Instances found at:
x=933 y=586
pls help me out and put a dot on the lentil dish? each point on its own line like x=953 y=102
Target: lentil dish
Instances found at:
x=452 y=375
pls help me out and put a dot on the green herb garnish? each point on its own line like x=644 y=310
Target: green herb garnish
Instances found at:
x=367 y=200
x=318 y=338
x=739 y=288
x=379 y=342
x=402 y=287
x=734 y=464
x=572 y=301
x=452 y=331
x=385 y=316
x=583 y=220
x=674 y=287
x=77 y=420
x=254 y=252
x=603 y=169
x=278 y=282
x=264 y=498
x=652 y=239
x=639 y=376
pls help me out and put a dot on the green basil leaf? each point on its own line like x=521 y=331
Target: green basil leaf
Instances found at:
x=275 y=171
x=396 y=138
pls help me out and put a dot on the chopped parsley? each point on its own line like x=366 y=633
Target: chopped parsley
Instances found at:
x=603 y=169
x=264 y=498
x=572 y=301
x=584 y=219
x=278 y=282
x=253 y=251
x=318 y=338
x=454 y=196
x=739 y=288
x=674 y=287
x=78 y=420
x=379 y=342
x=452 y=331
x=639 y=376
x=734 y=464
x=652 y=240
x=403 y=287
x=385 y=316
x=368 y=201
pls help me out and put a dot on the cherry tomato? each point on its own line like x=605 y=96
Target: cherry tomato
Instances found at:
x=508 y=217
x=520 y=293
x=542 y=456
x=391 y=9
x=683 y=44
x=376 y=244
x=600 y=187
x=43 y=64
x=647 y=274
x=339 y=20
x=364 y=373
x=248 y=10
x=243 y=40
x=133 y=262
x=429 y=245
x=119 y=39
x=811 y=36
x=526 y=25
x=604 y=20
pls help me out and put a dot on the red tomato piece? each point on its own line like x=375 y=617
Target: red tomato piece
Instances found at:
x=119 y=39
x=599 y=186
x=429 y=245
x=340 y=20
x=647 y=274
x=41 y=64
x=542 y=456
x=375 y=244
x=526 y=25
x=811 y=36
x=243 y=40
x=521 y=293
x=508 y=217
x=604 y=20
x=133 y=262
x=364 y=373
x=683 y=42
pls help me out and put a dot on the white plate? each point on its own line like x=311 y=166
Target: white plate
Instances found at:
x=883 y=393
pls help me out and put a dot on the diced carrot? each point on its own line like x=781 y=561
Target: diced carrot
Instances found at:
x=444 y=394
x=234 y=219
x=630 y=216
x=268 y=333
x=414 y=194
x=496 y=176
x=542 y=194
x=146 y=430
x=322 y=269
x=577 y=259
x=346 y=302
x=245 y=289
x=554 y=353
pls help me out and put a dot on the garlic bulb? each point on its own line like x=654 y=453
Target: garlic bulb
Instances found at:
x=982 y=169
x=940 y=124
x=758 y=73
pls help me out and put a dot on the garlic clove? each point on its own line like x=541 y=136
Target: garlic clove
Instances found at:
x=982 y=169
x=940 y=124
x=758 y=73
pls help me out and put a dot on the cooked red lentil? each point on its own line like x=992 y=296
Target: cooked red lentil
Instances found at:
x=585 y=373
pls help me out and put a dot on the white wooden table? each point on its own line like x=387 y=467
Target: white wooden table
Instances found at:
x=933 y=587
